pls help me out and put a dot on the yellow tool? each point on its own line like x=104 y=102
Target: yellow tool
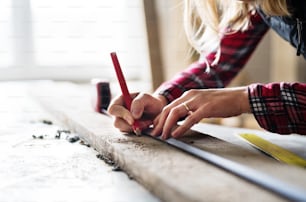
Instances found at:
x=274 y=150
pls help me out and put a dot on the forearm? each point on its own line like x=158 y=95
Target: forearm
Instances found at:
x=235 y=51
x=279 y=107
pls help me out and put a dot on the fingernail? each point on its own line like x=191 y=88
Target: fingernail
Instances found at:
x=135 y=113
x=175 y=135
x=152 y=133
x=130 y=120
x=155 y=134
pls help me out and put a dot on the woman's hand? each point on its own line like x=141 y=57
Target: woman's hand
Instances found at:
x=144 y=108
x=198 y=104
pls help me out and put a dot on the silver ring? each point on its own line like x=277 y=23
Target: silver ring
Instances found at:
x=186 y=107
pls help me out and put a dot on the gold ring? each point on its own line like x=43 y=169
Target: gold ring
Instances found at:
x=186 y=106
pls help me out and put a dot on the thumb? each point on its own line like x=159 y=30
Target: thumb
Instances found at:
x=137 y=108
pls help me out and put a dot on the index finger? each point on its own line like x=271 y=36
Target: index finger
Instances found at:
x=117 y=109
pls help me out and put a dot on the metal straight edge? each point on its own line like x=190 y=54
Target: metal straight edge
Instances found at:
x=274 y=185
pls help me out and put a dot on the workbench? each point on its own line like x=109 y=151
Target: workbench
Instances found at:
x=37 y=169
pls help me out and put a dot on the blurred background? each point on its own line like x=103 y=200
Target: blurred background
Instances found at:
x=71 y=40
x=66 y=40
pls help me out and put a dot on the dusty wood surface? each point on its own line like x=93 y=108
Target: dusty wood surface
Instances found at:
x=170 y=174
x=35 y=165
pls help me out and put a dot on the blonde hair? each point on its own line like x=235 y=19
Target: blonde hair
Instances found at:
x=206 y=21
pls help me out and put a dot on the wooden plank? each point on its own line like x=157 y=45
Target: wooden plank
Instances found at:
x=37 y=166
x=170 y=174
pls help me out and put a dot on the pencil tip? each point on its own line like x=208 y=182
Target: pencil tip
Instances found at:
x=137 y=131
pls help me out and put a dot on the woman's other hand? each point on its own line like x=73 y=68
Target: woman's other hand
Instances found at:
x=198 y=104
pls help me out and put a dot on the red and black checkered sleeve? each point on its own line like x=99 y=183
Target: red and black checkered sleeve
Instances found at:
x=236 y=49
x=279 y=107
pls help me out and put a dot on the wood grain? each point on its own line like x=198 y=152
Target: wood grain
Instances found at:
x=170 y=174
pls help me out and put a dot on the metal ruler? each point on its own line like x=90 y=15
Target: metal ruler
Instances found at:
x=274 y=185
x=265 y=181
x=274 y=150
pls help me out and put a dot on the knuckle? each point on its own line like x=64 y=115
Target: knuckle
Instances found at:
x=174 y=112
x=192 y=119
x=121 y=127
x=166 y=110
x=145 y=95
x=141 y=96
x=190 y=92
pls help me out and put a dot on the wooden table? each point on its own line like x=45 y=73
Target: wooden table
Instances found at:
x=168 y=173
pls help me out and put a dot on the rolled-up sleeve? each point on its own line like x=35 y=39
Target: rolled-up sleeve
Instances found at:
x=279 y=107
x=235 y=48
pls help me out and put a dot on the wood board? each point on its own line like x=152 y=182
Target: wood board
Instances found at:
x=170 y=174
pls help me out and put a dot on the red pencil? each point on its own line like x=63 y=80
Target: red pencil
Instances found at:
x=124 y=89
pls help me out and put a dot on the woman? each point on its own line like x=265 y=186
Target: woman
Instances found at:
x=225 y=33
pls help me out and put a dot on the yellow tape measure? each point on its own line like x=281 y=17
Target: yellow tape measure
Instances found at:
x=274 y=150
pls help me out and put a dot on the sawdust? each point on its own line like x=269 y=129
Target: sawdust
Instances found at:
x=131 y=141
x=109 y=161
x=139 y=143
x=48 y=122
x=38 y=137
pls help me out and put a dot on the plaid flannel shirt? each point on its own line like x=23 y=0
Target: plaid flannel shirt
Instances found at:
x=277 y=107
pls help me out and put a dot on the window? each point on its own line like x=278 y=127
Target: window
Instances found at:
x=71 y=40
